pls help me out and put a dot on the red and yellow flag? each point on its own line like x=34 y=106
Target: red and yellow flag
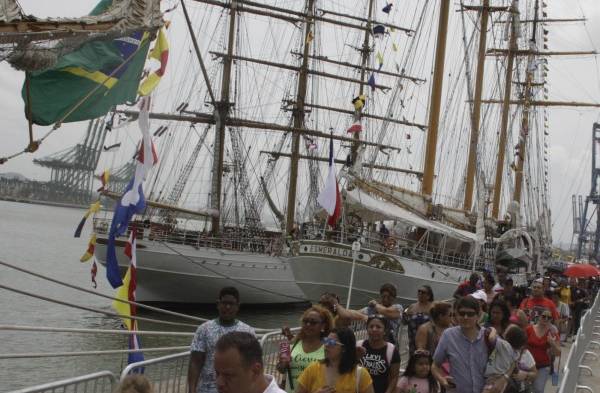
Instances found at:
x=89 y=253
x=160 y=52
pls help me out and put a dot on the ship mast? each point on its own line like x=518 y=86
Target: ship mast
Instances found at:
x=526 y=112
x=512 y=48
x=366 y=51
x=476 y=116
x=298 y=117
x=436 y=100
x=221 y=113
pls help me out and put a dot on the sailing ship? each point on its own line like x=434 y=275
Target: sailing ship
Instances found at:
x=225 y=208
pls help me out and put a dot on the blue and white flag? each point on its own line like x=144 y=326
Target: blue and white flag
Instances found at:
x=133 y=200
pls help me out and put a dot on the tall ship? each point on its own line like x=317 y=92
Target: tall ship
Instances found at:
x=432 y=122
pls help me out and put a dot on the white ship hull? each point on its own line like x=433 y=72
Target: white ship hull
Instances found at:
x=320 y=267
x=175 y=273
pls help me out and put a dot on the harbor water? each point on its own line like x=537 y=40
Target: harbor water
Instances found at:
x=40 y=238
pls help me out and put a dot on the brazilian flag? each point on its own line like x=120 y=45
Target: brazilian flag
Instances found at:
x=113 y=66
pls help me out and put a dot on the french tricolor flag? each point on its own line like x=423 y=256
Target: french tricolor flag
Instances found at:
x=329 y=198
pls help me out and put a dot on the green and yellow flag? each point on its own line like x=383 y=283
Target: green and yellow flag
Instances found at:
x=112 y=67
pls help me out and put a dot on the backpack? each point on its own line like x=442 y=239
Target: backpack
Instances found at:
x=389 y=350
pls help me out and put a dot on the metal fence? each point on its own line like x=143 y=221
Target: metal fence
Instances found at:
x=100 y=382
x=588 y=330
x=168 y=374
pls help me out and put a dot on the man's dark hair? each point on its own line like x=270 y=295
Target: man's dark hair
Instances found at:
x=245 y=343
x=349 y=359
x=389 y=288
x=468 y=302
x=229 y=291
x=509 y=280
x=515 y=336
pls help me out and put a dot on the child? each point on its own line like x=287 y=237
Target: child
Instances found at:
x=417 y=377
x=134 y=383
x=503 y=357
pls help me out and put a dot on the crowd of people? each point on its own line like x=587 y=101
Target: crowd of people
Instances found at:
x=494 y=338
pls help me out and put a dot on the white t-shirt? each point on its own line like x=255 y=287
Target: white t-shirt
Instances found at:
x=273 y=387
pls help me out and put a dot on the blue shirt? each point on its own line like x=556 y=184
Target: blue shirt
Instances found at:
x=467 y=359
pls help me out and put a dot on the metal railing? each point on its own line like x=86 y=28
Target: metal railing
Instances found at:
x=100 y=382
x=590 y=322
x=168 y=374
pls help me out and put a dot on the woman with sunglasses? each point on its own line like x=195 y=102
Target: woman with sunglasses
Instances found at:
x=339 y=372
x=542 y=342
x=306 y=346
x=380 y=358
x=418 y=313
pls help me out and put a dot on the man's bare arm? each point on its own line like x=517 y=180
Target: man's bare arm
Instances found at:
x=197 y=360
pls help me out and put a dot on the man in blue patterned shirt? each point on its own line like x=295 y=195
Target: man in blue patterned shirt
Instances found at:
x=201 y=372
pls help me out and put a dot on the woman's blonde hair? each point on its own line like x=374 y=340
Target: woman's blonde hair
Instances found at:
x=134 y=383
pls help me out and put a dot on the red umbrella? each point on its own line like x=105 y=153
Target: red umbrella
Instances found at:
x=581 y=270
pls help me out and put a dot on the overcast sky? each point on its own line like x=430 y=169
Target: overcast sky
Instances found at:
x=571 y=79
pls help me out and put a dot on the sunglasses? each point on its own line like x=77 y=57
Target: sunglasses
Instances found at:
x=466 y=314
x=422 y=352
x=312 y=322
x=546 y=316
x=331 y=342
x=422 y=291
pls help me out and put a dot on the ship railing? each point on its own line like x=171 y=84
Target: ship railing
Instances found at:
x=168 y=374
x=231 y=239
x=100 y=382
x=581 y=349
x=405 y=247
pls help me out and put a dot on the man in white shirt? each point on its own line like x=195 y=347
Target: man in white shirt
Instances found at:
x=201 y=373
x=239 y=365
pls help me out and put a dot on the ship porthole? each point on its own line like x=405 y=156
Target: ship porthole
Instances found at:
x=360 y=256
x=305 y=248
x=432 y=274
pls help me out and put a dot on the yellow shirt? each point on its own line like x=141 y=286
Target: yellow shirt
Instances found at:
x=313 y=379
x=565 y=295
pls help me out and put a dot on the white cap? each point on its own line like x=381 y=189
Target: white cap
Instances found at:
x=480 y=295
